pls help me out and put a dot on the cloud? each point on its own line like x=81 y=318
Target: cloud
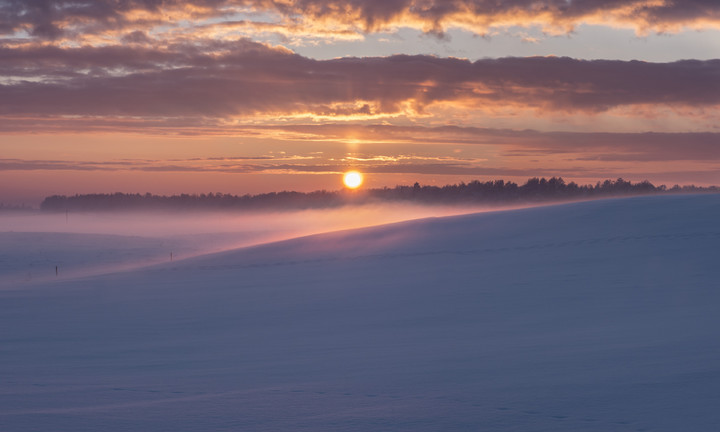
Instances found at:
x=240 y=79
x=449 y=167
x=53 y=19
x=509 y=153
x=416 y=169
x=616 y=146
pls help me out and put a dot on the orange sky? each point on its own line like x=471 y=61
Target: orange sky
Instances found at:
x=256 y=96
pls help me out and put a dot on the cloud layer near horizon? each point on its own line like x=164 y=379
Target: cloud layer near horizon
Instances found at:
x=223 y=80
x=376 y=155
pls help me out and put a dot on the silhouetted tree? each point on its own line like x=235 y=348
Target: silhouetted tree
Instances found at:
x=535 y=189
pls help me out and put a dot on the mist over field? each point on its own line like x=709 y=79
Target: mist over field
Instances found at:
x=36 y=242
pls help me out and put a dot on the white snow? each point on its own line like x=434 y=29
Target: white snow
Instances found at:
x=595 y=316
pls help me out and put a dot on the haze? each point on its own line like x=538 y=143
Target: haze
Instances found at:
x=137 y=239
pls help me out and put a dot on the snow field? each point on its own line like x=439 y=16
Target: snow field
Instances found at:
x=596 y=316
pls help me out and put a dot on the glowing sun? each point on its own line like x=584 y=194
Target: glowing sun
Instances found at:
x=353 y=179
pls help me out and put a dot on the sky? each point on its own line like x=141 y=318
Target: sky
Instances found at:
x=254 y=96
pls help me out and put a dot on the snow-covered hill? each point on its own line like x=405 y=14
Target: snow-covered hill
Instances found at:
x=595 y=316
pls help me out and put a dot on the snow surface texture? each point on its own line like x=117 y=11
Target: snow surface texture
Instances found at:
x=595 y=316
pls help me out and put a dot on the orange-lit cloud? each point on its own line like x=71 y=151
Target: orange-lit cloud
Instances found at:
x=449 y=150
x=58 y=18
x=221 y=71
x=647 y=146
x=224 y=80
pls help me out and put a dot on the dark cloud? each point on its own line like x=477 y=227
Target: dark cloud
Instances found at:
x=615 y=146
x=418 y=168
x=50 y=19
x=641 y=147
x=247 y=78
x=324 y=168
x=436 y=15
x=54 y=18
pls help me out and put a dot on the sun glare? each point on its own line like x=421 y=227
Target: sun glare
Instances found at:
x=352 y=179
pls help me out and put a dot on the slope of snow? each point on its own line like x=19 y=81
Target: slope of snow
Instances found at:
x=596 y=316
x=83 y=244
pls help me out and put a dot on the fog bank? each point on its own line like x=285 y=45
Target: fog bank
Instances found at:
x=84 y=244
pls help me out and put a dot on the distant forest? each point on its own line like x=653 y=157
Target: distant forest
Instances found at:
x=474 y=192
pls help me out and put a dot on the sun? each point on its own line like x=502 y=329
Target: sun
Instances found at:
x=352 y=179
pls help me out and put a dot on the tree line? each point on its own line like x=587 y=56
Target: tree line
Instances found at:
x=475 y=192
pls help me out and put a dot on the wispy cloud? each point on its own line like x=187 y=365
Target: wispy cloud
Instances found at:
x=446 y=167
x=454 y=151
x=645 y=146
